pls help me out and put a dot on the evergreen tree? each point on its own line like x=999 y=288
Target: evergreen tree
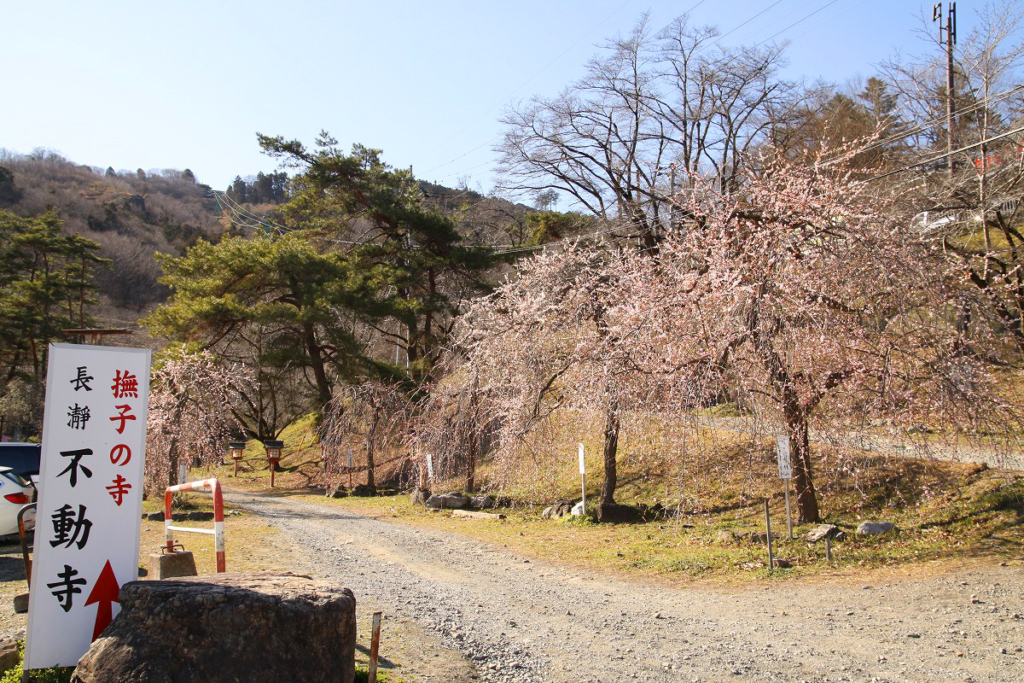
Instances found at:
x=287 y=298
x=9 y=193
x=45 y=287
x=411 y=250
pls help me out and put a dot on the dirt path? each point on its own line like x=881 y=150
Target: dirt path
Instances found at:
x=475 y=606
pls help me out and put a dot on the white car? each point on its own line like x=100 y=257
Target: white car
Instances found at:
x=15 y=493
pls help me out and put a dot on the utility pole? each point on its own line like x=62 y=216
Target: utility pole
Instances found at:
x=950 y=29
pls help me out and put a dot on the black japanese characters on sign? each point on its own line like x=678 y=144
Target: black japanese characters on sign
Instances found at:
x=75 y=465
x=77 y=417
x=81 y=381
x=70 y=527
x=66 y=586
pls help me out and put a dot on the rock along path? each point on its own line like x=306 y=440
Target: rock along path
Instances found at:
x=519 y=620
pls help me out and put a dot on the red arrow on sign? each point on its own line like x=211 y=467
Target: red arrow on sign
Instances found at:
x=104 y=592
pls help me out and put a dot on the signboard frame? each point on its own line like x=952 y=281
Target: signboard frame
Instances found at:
x=785 y=463
x=88 y=520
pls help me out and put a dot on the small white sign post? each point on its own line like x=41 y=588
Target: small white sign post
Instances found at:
x=90 y=502
x=583 y=478
x=430 y=467
x=785 y=474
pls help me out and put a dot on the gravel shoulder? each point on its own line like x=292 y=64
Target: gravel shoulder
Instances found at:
x=460 y=610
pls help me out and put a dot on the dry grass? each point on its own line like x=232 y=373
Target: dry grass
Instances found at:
x=945 y=512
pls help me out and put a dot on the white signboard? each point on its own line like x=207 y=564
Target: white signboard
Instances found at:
x=583 y=464
x=90 y=497
x=430 y=467
x=785 y=470
x=351 y=459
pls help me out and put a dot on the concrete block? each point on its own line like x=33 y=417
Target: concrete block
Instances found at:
x=170 y=565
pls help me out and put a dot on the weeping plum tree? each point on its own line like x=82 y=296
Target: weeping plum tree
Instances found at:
x=804 y=294
x=547 y=342
x=377 y=413
x=453 y=424
x=808 y=296
x=190 y=414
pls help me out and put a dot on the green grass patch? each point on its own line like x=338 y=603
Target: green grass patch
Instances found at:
x=51 y=675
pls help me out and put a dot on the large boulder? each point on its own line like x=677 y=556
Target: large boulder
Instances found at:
x=259 y=628
x=481 y=502
x=875 y=528
x=824 y=531
x=336 y=491
x=559 y=509
x=9 y=656
x=448 y=501
x=419 y=496
x=616 y=513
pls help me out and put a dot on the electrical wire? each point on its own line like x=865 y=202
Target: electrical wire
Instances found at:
x=799 y=21
x=523 y=85
x=701 y=50
x=925 y=125
x=944 y=155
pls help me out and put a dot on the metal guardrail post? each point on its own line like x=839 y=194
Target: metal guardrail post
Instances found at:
x=23 y=535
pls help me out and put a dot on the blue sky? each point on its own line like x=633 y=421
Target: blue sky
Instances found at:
x=188 y=84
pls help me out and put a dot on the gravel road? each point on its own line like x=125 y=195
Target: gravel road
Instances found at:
x=918 y=446
x=482 y=613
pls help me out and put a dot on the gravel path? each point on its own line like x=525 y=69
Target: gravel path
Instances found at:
x=916 y=447
x=520 y=620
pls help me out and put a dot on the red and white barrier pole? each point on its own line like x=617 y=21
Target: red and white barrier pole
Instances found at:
x=218 y=517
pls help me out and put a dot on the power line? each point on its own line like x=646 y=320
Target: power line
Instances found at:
x=925 y=125
x=702 y=49
x=823 y=21
x=492 y=140
x=800 y=21
x=523 y=85
x=746 y=22
x=946 y=154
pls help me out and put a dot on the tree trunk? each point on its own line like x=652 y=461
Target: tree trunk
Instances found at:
x=611 y=449
x=471 y=463
x=370 y=475
x=474 y=438
x=800 y=456
x=172 y=459
x=316 y=362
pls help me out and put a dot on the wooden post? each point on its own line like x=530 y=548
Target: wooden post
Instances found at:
x=828 y=549
x=789 y=516
x=351 y=465
x=374 y=647
x=583 y=479
x=768 y=527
